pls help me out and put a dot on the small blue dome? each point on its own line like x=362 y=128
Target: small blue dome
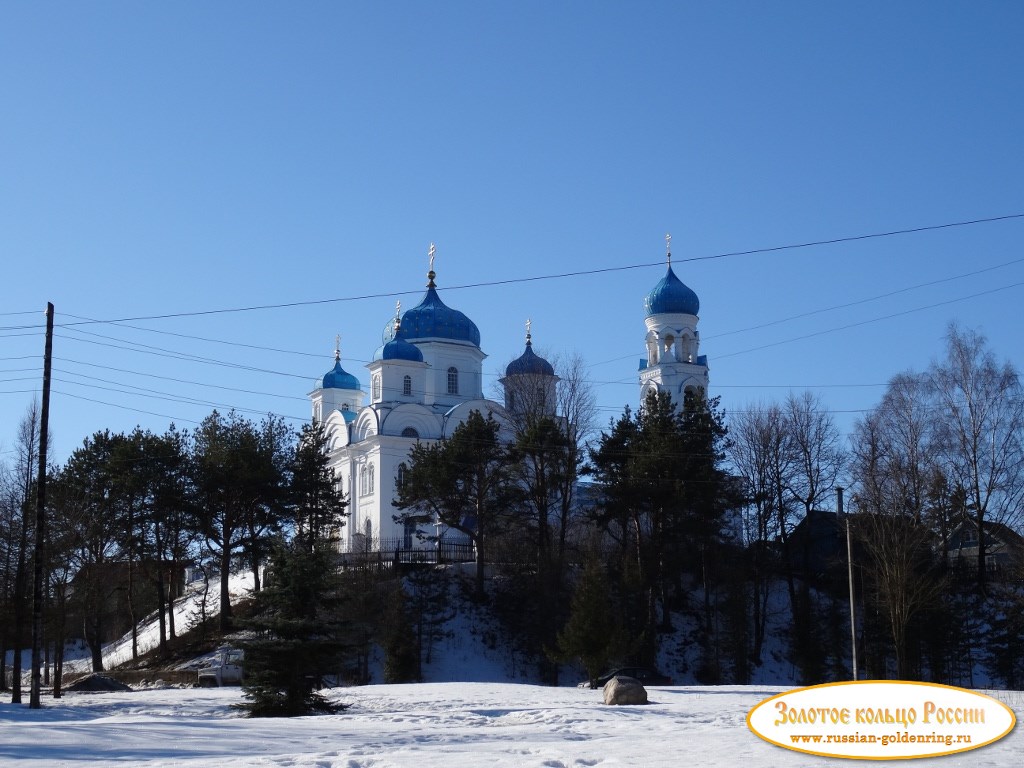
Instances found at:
x=433 y=319
x=671 y=296
x=399 y=349
x=339 y=378
x=529 y=363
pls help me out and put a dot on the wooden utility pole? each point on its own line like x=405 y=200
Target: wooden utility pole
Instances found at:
x=37 y=587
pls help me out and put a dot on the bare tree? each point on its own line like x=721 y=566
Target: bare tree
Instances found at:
x=818 y=458
x=891 y=452
x=762 y=455
x=901 y=574
x=979 y=431
x=24 y=476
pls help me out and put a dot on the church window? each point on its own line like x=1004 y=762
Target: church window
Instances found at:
x=362 y=481
x=369 y=480
x=408 y=531
x=453 y=381
x=368 y=531
x=407 y=386
x=317 y=412
x=401 y=476
x=410 y=432
x=376 y=387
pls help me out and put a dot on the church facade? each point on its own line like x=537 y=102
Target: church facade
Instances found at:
x=427 y=377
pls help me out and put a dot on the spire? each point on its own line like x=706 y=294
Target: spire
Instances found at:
x=398 y=317
x=668 y=249
x=529 y=336
x=431 y=275
x=337 y=347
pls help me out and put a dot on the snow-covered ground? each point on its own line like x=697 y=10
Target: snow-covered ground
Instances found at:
x=430 y=725
x=436 y=724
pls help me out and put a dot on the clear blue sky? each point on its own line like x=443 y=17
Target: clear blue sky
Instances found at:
x=165 y=158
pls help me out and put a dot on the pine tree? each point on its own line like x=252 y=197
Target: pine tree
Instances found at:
x=298 y=639
x=592 y=635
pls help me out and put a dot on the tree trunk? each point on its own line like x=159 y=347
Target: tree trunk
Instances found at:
x=225 y=593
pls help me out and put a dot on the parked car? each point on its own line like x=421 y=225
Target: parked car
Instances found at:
x=645 y=675
x=225 y=669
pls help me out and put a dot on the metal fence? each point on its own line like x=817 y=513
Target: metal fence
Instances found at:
x=387 y=552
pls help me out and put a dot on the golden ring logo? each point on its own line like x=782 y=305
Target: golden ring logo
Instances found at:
x=881 y=720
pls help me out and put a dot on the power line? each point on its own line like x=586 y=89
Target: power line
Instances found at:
x=859 y=302
x=553 y=276
x=173 y=379
x=871 y=320
x=204 y=338
x=125 y=407
x=178 y=355
x=183 y=400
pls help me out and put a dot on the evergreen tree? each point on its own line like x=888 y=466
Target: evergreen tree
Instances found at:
x=317 y=503
x=464 y=483
x=664 y=495
x=401 y=657
x=298 y=636
x=592 y=636
x=430 y=607
x=241 y=479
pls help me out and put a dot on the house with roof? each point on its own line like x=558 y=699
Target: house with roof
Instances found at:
x=1004 y=548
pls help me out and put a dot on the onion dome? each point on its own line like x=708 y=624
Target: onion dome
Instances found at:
x=529 y=363
x=433 y=319
x=398 y=348
x=671 y=295
x=339 y=378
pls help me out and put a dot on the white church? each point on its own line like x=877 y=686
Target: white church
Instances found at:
x=427 y=377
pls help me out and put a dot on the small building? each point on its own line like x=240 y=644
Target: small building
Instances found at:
x=1004 y=548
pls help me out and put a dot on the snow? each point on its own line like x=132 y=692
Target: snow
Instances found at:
x=430 y=725
x=186 y=613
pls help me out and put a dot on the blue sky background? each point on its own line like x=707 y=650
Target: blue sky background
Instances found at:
x=165 y=159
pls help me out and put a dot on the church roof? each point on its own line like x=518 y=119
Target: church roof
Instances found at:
x=671 y=296
x=399 y=349
x=529 y=363
x=433 y=319
x=339 y=378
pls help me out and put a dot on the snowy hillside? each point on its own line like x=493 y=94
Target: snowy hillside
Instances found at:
x=187 y=611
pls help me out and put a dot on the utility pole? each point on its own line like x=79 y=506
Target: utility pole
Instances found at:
x=37 y=587
x=849 y=566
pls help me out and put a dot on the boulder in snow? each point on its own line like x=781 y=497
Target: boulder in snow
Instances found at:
x=624 y=690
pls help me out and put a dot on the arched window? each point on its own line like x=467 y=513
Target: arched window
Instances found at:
x=368 y=531
x=369 y=480
x=410 y=432
x=362 y=481
x=453 y=381
x=376 y=387
x=401 y=476
x=407 y=386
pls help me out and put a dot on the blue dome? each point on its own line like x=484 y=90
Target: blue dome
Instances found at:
x=399 y=349
x=671 y=296
x=339 y=378
x=433 y=319
x=529 y=363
